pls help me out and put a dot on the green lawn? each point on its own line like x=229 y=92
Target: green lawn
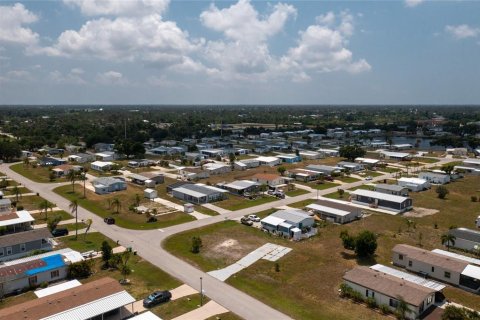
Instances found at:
x=204 y=210
x=40 y=217
x=347 y=179
x=10 y=192
x=373 y=174
x=29 y=202
x=323 y=186
x=296 y=192
x=71 y=227
x=425 y=159
x=389 y=169
x=175 y=308
x=237 y=203
x=312 y=271
x=124 y=218
x=302 y=204
x=225 y=316
x=336 y=195
x=93 y=241
x=38 y=174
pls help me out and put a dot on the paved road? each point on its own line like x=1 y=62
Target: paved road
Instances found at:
x=148 y=245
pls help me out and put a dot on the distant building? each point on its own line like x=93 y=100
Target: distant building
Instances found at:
x=198 y=193
x=465 y=239
x=351 y=166
x=392 y=189
x=296 y=224
x=101 y=166
x=380 y=200
x=272 y=180
x=334 y=211
x=414 y=184
x=104 y=185
x=21 y=244
x=326 y=170
x=269 y=161
x=241 y=187
x=436 y=177
x=399 y=156
x=470 y=166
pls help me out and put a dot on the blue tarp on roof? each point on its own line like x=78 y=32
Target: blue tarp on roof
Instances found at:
x=51 y=263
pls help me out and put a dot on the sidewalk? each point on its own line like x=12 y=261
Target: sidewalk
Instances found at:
x=63 y=222
x=208 y=310
x=215 y=208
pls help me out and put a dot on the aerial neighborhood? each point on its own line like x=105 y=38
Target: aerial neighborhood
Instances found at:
x=382 y=225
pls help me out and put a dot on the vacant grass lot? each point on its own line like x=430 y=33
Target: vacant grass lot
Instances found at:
x=29 y=202
x=38 y=174
x=237 y=203
x=296 y=192
x=347 y=179
x=175 y=308
x=99 y=205
x=323 y=186
x=40 y=217
x=207 y=211
x=312 y=272
x=425 y=160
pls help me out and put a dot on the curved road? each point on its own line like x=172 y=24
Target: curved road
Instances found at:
x=147 y=243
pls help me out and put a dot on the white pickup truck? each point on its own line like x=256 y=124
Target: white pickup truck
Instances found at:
x=477 y=222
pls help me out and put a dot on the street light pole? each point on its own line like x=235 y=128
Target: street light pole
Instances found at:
x=201 y=292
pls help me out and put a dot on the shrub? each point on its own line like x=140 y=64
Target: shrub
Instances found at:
x=43 y=285
x=371 y=303
x=385 y=309
x=19 y=208
x=80 y=269
x=357 y=296
x=196 y=245
x=345 y=290
x=365 y=244
x=347 y=240
x=474 y=198
x=442 y=192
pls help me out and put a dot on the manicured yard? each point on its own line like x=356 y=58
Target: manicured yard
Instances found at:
x=99 y=205
x=302 y=204
x=175 y=308
x=237 y=203
x=425 y=159
x=336 y=195
x=29 y=202
x=204 y=210
x=296 y=192
x=389 y=169
x=323 y=186
x=71 y=227
x=10 y=191
x=93 y=241
x=40 y=217
x=38 y=174
x=373 y=174
x=225 y=316
x=312 y=271
x=347 y=179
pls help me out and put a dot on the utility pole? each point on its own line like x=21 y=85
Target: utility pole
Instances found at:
x=201 y=291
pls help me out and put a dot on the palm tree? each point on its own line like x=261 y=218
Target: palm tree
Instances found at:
x=26 y=162
x=16 y=191
x=45 y=205
x=72 y=177
x=74 y=209
x=84 y=178
x=88 y=222
x=137 y=200
x=448 y=240
x=401 y=309
x=116 y=203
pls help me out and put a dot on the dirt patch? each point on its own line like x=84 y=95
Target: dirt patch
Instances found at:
x=420 y=212
x=230 y=250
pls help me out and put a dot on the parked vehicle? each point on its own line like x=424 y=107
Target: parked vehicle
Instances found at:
x=279 y=195
x=156 y=297
x=368 y=178
x=270 y=192
x=254 y=218
x=59 y=232
x=246 y=221
x=109 y=220
x=329 y=178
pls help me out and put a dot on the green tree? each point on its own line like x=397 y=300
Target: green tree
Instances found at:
x=196 y=245
x=74 y=210
x=347 y=240
x=448 y=168
x=442 y=192
x=351 y=152
x=79 y=270
x=263 y=188
x=72 y=177
x=16 y=191
x=45 y=205
x=281 y=170
x=107 y=253
x=448 y=240
x=231 y=157
x=53 y=223
x=340 y=192
x=88 y=223
x=365 y=244
x=117 y=204
x=124 y=267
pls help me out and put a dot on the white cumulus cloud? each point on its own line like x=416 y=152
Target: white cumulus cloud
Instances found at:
x=111 y=78
x=119 y=7
x=12 y=21
x=323 y=48
x=462 y=31
x=413 y=3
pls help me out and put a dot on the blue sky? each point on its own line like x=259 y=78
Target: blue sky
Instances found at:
x=239 y=52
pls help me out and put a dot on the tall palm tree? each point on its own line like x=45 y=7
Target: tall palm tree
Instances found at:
x=117 y=204
x=45 y=205
x=84 y=178
x=72 y=177
x=16 y=191
x=88 y=222
x=448 y=240
x=74 y=209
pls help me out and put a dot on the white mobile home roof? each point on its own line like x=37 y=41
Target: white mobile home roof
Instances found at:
x=23 y=216
x=367 y=160
x=334 y=211
x=267 y=159
x=287 y=156
x=396 y=154
x=274 y=221
x=146 y=316
x=95 y=308
x=379 y=195
x=457 y=256
x=57 y=288
x=472 y=271
x=416 y=181
x=241 y=184
x=102 y=163
x=472 y=161
x=409 y=277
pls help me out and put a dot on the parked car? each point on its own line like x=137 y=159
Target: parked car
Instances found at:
x=329 y=178
x=246 y=221
x=156 y=297
x=279 y=195
x=270 y=192
x=59 y=232
x=109 y=220
x=368 y=178
x=254 y=218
